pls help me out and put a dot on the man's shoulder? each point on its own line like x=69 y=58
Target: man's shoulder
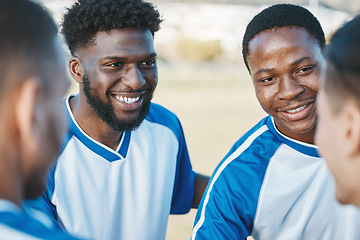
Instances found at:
x=19 y=224
x=161 y=115
x=157 y=111
x=256 y=132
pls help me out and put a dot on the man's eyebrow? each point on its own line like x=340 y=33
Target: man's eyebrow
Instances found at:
x=300 y=60
x=152 y=55
x=267 y=70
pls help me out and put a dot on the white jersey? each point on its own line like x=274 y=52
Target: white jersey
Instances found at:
x=273 y=187
x=16 y=223
x=98 y=193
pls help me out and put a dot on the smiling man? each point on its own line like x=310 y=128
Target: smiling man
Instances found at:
x=124 y=165
x=273 y=184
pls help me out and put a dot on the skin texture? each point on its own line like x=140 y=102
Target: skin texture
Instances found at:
x=285 y=64
x=32 y=130
x=338 y=137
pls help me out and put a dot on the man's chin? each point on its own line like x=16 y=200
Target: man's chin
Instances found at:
x=127 y=124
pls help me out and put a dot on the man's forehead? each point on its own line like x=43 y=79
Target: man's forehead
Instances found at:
x=279 y=35
x=121 y=42
x=278 y=40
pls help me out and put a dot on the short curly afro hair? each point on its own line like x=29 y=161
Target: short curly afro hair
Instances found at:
x=85 y=18
x=282 y=15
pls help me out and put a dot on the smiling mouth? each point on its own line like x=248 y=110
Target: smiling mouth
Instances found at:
x=296 y=110
x=127 y=100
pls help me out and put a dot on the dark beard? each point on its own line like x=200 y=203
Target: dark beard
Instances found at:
x=107 y=113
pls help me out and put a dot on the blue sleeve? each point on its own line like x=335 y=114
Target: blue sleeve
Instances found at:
x=25 y=223
x=228 y=206
x=222 y=213
x=183 y=193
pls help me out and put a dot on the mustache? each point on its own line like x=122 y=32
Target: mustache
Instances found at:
x=141 y=90
x=298 y=101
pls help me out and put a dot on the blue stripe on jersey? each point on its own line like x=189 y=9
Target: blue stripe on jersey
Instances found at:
x=125 y=144
x=100 y=150
x=183 y=193
x=228 y=207
x=307 y=150
x=24 y=223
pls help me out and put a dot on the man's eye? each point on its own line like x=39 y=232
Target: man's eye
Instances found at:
x=266 y=80
x=306 y=70
x=150 y=63
x=115 y=64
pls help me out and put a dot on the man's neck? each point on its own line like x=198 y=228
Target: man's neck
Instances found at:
x=93 y=125
x=11 y=185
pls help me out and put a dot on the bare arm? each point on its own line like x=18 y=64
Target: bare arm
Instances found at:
x=201 y=182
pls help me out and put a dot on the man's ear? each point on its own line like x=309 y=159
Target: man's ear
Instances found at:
x=26 y=109
x=351 y=129
x=76 y=69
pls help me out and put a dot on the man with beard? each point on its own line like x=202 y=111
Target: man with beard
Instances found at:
x=273 y=184
x=32 y=85
x=124 y=165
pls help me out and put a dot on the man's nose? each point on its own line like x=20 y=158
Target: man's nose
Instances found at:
x=133 y=78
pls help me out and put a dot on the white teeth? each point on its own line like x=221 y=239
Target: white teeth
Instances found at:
x=127 y=100
x=297 y=109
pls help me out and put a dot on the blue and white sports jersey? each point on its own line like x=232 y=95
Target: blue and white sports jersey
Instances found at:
x=18 y=224
x=98 y=193
x=272 y=187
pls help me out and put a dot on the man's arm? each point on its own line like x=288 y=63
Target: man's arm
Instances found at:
x=200 y=184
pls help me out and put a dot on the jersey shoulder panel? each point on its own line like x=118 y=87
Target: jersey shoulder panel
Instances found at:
x=231 y=197
x=304 y=148
x=18 y=224
x=160 y=115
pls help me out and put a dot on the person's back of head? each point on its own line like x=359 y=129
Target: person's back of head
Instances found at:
x=26 y=42
x=85 y=18
x=282 y=15
x=32 y=84
x=338 y=132
x=343 y=70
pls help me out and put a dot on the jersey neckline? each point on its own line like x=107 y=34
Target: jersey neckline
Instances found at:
x=305 y=148
x=98 y=147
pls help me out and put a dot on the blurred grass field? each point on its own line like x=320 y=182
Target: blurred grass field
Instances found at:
x=216 y=106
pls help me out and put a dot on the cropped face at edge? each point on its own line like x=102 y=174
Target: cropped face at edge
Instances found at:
x=285 y=66
x=120 y=76
x=333 y=136
x=51 y=123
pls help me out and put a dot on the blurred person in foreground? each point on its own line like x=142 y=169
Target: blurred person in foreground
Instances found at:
x=273 y=184
x=338 y=133
x=124 y=166
x=32 y=85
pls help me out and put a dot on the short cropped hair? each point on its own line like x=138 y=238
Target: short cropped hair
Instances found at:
x=85 y=18
x=282 y=15
x=343 y=70
x=26 y=42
